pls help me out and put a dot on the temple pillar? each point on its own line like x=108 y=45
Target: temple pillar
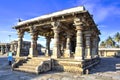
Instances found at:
x=20 y=41
x=63 y=42
x=48 y=39
x=96 y=49
x=15 y=47
x=88 y=51
x=79 y=50
x=2 y=50
x=11 y=47
x=6 y=48
x=33 y=49
x=68 y=45
x=56 y=47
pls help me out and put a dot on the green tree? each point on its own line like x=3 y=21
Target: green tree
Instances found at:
x=102 y=44
x=117 y=38
x=110 y=42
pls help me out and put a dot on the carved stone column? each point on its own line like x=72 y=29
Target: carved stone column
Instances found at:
x=33 y=49
x=20 y=41
x=79 y=40
x=2 y=50
x=56 y=47
x=68 y=45
x=15 y=47
x=48 y=39
x=11 y=47
x=6 y=48
x=96 y=49
x=88 y=45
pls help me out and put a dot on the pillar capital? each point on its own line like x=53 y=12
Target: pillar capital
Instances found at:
x=20 y=33
x=56 y=24
x=78 y=24
x=88 y=33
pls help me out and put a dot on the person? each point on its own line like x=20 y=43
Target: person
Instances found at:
x=10 y=58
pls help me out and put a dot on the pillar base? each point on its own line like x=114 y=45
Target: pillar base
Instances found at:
x=56 y=53
x=47 y=53
x=33 y=53
x=67 y=53
x=79 y=53
x=88 y=57
x=18 y=52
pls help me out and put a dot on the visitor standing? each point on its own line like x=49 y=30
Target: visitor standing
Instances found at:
x=10 y=58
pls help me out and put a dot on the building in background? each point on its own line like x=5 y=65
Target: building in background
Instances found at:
x=109 y=52
x=13 y=45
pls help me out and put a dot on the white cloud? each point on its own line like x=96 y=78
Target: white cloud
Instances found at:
x=100 y=11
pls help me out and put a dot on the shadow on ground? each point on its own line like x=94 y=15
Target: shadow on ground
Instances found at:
x=106 y=64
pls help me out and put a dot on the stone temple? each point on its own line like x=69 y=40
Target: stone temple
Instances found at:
x=76 y=39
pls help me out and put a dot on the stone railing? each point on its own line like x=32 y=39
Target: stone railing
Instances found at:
x=87 y=64
x=18 y=62
x=44 y=66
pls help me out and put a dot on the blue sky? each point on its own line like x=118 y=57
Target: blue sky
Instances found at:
x=106 y=14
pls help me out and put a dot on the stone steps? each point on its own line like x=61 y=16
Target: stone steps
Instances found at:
x=34 y=65
x=25 y=70
x=28 y=67
x=117 y=66
x=28 y=64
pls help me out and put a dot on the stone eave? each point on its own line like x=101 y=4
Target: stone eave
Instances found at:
x=71 y=11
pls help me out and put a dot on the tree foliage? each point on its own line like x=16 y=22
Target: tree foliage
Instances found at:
x=111 y=42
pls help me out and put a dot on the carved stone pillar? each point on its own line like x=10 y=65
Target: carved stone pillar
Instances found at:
x=96 y=49
x=2 y=50
x=88 y=45
x=68 y=45
x=48 y=39
x=15 y=46
x=79 y=40
x=11 y=47
x=6 y=48
x=33 y=49
x=20 y=41
x=56 y=47
x=93 y=44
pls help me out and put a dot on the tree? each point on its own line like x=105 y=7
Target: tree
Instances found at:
x=117 y=38
x=110 y=42
x=102 y=44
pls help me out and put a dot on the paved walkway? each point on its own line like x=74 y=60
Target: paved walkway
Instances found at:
x=104 y=71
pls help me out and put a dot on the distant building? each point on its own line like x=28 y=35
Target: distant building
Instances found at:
x=12 y=46
x=109 y=52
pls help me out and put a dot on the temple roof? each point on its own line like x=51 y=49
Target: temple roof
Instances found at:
x=65 y=17
x=55 y=14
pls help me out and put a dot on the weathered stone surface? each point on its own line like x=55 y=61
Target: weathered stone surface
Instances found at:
x=104 y=71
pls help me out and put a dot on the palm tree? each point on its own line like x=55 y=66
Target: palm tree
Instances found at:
x=110 y=42
x=117 y=38
x=102 y=44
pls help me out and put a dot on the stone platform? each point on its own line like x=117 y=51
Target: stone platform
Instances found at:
x=74 y=66
x=43 y=64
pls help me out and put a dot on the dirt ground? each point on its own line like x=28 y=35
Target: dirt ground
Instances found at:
x=106 y=70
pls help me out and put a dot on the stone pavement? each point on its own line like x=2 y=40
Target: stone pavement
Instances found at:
x=104 y=71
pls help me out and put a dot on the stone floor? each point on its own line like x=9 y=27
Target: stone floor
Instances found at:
x=104 y=71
